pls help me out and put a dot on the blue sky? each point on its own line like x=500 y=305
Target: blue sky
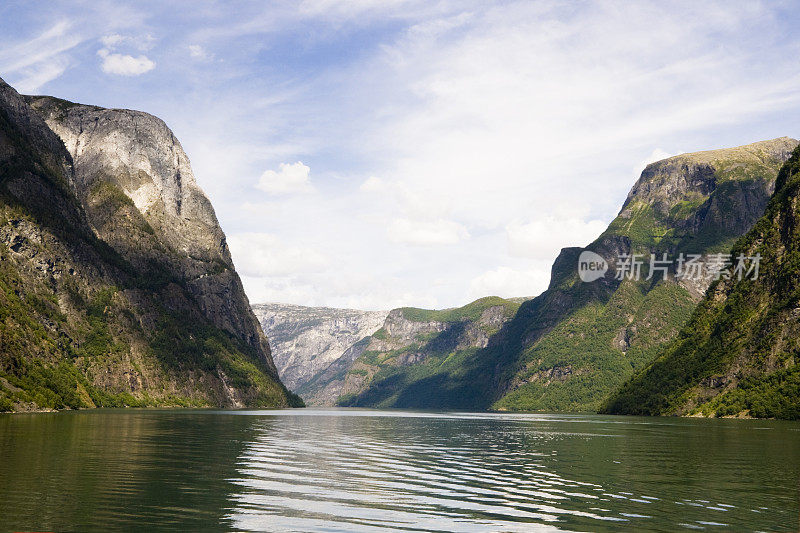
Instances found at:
x=373 y=154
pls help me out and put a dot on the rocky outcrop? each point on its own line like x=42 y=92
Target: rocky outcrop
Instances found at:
x=103 y=302
x=666 y=184
x=309 y=340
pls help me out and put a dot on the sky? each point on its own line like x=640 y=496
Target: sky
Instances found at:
x=373 y=154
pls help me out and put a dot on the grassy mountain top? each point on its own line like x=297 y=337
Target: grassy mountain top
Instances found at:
x=472 y=311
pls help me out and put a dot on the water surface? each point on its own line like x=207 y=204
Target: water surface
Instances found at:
x=354 y=470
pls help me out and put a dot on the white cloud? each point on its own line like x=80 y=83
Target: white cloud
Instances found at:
x=121 y=64
x=508 y=283
x=142 y=43
x=290 y=178
x=264 y=255
x=543 y=238
x=657 y=155
x=112 y=40
x=372 y=184
x=426 y=233
x=124 y=65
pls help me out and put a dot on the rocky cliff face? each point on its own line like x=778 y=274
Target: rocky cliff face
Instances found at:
x=738 y=355
x=116 y=287
x=308 y=340
x=118 y=151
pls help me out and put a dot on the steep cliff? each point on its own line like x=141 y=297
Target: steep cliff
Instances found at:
x=306 y=341
x=738 y=355
x=116 y=284
x=118 y=154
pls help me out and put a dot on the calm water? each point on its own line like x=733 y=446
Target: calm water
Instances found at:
x=306 y=470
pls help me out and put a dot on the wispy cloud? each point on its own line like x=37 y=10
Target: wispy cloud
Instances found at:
x=32 y=63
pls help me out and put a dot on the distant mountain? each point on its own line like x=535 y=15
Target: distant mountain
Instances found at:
x=116 y=284
x=738 y=355
x=377 y=358
x=411 y=360
x=306 y=341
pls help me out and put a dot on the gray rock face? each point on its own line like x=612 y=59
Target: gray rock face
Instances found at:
x=320 y=352
x=116 y=288
x=308 y=340
x=118 y=150
x=666 y=183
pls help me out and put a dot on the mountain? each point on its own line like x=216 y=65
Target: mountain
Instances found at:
x=738 y=355
x=306 y=341
x=411 y=359
x=116 y=284
x=569 y=348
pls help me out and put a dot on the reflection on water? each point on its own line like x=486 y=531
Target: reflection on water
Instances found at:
x=306 y=470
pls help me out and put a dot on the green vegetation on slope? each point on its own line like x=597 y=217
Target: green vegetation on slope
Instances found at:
x=738 y=353
x=575 y=365
x=583 y=341
x=419 y=372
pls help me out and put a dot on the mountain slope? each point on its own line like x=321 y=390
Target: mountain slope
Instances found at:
x=106 y=302
x=577 y=342
x=308 y=340
x=738 y=355
x=570 y=347
x=401 y=364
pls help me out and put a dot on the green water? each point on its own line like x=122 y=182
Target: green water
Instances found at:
x=347 y=470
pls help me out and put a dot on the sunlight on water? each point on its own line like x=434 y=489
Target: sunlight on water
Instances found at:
x=334 y=470
x=417 y=472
